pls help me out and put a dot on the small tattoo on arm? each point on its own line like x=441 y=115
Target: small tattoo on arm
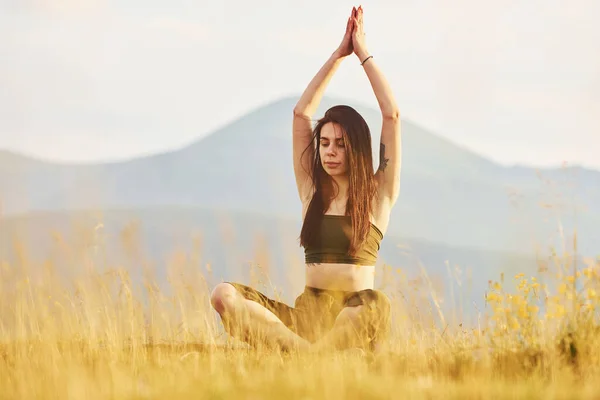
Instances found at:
x=382 y=160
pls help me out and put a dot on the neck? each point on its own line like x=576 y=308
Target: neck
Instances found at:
x=340 y=188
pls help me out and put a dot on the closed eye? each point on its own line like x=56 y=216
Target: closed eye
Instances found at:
x=339 y=143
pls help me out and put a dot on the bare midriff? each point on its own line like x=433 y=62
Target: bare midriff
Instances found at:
x=346 y=277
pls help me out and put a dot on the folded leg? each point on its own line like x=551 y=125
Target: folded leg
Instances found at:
x=249 y=315
x=363 y=322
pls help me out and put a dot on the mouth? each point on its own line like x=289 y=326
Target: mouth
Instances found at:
x=331 y=164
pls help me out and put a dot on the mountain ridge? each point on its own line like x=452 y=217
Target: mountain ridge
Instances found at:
x=289 y=102
x=447 y=195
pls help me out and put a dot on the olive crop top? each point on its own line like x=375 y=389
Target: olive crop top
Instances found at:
x=336 y=233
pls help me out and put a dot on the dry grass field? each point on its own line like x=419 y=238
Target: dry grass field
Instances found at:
x=71 y=328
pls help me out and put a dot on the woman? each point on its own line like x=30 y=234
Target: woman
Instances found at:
x=345 y=210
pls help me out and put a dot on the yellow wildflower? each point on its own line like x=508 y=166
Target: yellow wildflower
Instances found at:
x=562 y=288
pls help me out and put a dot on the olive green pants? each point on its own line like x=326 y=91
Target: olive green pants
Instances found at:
x=315 y=311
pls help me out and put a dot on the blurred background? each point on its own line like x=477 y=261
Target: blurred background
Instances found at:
x=137 y=130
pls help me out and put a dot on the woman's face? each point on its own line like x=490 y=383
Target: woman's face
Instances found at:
x=332 y=150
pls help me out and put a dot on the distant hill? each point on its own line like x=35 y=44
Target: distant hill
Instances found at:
x=448 y=194
x=230 y=244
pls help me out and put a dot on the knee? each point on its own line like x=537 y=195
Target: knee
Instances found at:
x=382 y=303
x=369 y=313
x=370 y=307
x=223 y=297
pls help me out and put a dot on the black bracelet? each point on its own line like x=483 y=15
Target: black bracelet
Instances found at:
x=366 y=60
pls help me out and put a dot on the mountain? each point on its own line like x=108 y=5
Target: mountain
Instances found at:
x=449 y=194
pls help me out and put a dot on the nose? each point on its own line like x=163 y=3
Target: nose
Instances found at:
x=331 y=149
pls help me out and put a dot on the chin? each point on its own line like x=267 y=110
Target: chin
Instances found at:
x=336 y=173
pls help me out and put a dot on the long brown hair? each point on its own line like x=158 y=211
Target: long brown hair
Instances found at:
x=362 y=188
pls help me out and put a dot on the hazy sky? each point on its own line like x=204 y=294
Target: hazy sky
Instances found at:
x=517 y=81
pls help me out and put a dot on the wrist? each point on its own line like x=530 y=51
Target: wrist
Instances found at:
x=362 y=55
x=337 y=55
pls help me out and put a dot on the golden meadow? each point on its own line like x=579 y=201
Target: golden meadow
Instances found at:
x=91 y=333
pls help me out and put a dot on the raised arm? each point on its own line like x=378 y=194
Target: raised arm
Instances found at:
x=307 y=106
x=390 y=151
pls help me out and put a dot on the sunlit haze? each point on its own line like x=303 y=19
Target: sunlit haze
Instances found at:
x=84 y=80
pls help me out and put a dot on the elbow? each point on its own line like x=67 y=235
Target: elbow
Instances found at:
x=301 y=113
x=392 y=114
x=394 y=193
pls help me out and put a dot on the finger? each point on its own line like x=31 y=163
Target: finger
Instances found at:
x=357 y=28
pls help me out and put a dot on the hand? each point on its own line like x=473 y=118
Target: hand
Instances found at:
x=346 y=47
x=358 y=36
